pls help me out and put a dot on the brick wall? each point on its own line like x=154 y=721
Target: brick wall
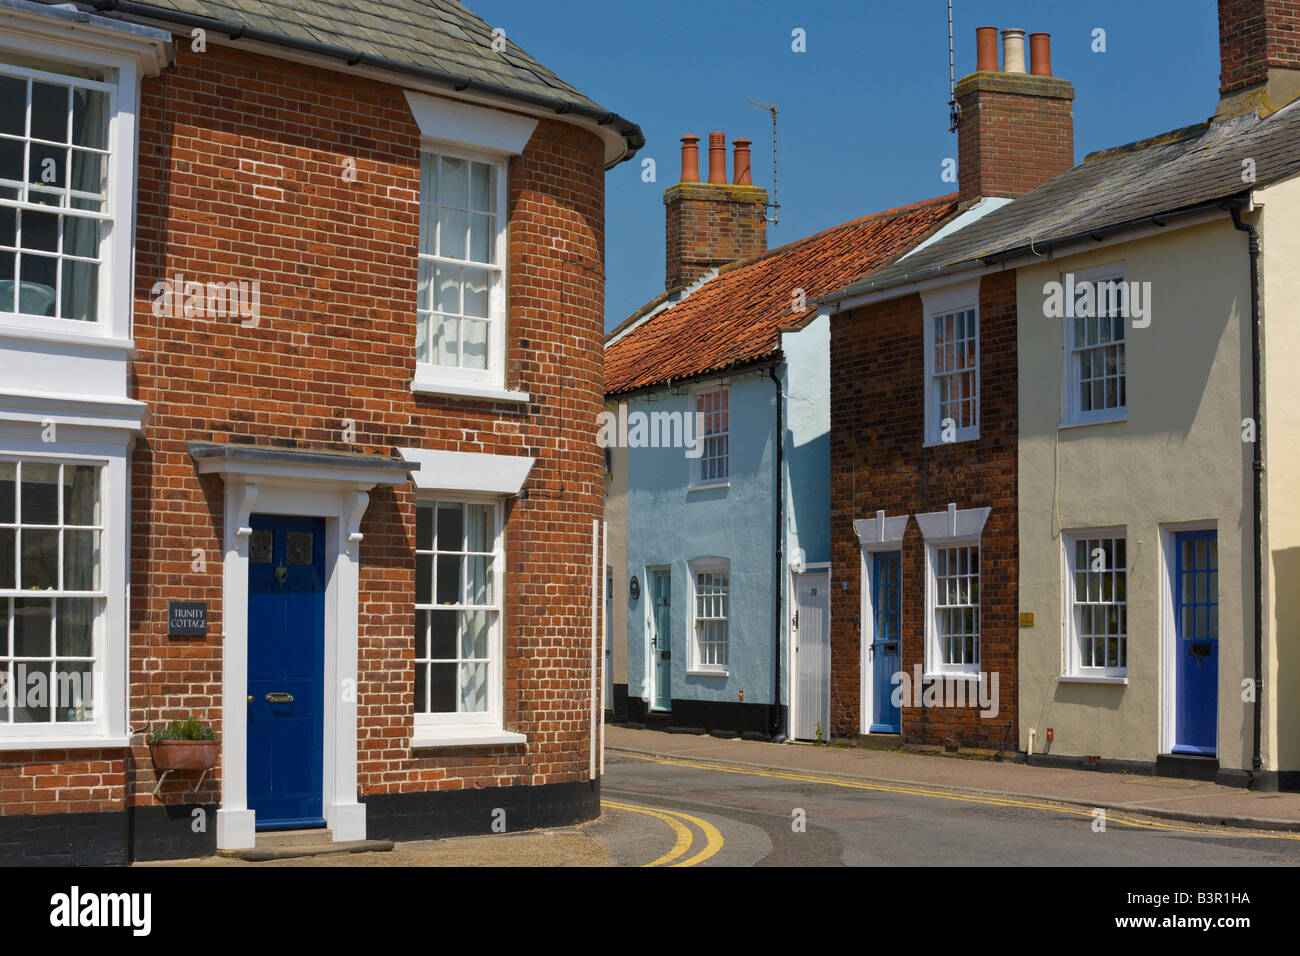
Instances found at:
x=1255 y=35
x=1016 y=132
x=878 y=462
x=240 y=177
x=710 y=224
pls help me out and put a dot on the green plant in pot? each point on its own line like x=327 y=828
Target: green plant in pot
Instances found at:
x=184 y=745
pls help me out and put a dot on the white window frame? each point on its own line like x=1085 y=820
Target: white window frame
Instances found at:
x=697 y=483
x=489 y=382
x=108 y=726
x=948 y=529
x=486 y=727
x=1072 y=411
x=941 y=304
x=116 y=280
x=695 y=665
x=1075 y=670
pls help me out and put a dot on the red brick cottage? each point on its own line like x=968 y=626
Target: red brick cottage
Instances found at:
x=923 y=446
x=300 y=356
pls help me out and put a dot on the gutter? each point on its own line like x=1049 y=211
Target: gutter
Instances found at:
x=1257 y=467
x=630 y=131
x=776 y=720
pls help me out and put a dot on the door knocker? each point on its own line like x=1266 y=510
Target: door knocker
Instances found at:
x=281 y=574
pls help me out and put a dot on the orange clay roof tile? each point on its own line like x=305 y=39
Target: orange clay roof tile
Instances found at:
x=733 y=319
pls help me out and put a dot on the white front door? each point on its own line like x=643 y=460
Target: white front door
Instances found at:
x=810 y=634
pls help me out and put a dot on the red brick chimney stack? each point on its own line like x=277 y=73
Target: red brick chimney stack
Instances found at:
x=1259 y=55
x=1015 y=129
x=710 y=224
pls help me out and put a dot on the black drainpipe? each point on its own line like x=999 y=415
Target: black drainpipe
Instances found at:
x=776 y=722
x=1257 y=467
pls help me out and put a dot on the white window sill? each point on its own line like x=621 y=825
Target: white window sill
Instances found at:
x=1081 y=679
x=62 y=743
x=1110 y=418
x=714 y=486
x=426 y=737
x=424 y=386
x=59 y=337
x=940 y=443
x=698 y=673
x=961 y=675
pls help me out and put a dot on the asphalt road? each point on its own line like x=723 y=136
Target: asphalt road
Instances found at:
x=675 y=813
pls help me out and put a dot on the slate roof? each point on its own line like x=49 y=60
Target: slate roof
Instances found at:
x=1198 y=166
x=438 y=36
x=733 y=319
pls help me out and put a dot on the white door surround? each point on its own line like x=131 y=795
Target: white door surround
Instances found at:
x=335 y=487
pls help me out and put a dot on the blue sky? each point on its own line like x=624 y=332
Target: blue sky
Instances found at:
x=863 y=113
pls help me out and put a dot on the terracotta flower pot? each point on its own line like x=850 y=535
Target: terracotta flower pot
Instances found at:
x=184 y=754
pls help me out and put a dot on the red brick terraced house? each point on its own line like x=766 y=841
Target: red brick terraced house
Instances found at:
x=301 y=327
x=923 y=446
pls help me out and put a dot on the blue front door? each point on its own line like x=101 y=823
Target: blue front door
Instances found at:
x=286 y=656
x=661 y=641
x=1196 y=608
x=885 y=642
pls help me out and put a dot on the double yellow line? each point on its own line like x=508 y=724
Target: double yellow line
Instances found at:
x=1112 y=816
x=685 y=837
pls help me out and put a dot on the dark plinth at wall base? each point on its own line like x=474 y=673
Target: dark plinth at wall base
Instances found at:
x=1187 y=767
x=64 y=839
x=625 y=706
x=451 y=813
x=702 y=717
x=1104 y=765
x=173 y=832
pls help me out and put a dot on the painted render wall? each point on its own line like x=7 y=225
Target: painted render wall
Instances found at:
x=1280 y=281
x=671 y=525
x=616 y=559
x=806 y=382
x=1178 y=457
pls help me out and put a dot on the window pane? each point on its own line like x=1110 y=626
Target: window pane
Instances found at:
x=47 y=166
x=8 y=544
x=474 y=347
x=428 y=203
x=421 y=688
x=446 y=341
x=482 y=233
x=80 y=495
x=484 y=190
x=421 y=636
x=473 y=690
x=424 y=526
x=478 y=527
x=442 y=688
x=80 y=560
x=454 y=187
x=13 y=105
x=49 y=112
x=449 y=290
x=8 y=492
x=476 y=293
x=80 y=238
x=73 y=691
x=40 y=559
x=89 y=172
x=31 y=693
x=451 y=529
x=90 y=118
x=478 y=580
x=453 y=227
x=442 y=646
x=449 y=579
x=33 y=627
x=424 y=579
x=475 y=627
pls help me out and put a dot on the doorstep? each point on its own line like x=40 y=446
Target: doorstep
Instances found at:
x=289 y=844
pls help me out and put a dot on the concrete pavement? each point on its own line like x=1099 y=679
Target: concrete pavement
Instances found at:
x=1165 y=797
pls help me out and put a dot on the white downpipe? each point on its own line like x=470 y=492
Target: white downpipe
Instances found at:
x=1030 y=752
x=595 y=596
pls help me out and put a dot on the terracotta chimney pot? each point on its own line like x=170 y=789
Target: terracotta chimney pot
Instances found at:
x=690 y=159
x=986 y=48
x=1040 y=54
x=718 y=158
x=1013 y=51
x=740 y=166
